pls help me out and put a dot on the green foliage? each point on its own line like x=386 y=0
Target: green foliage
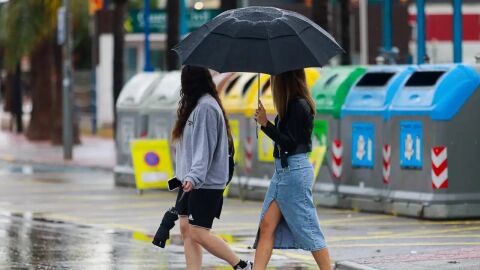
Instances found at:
x=154 y=4
x=24 y=24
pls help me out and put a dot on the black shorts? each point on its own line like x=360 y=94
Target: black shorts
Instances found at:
x=201 y=206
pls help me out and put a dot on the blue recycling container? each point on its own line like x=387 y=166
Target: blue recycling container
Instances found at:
x=364 y=135
x=435 y=125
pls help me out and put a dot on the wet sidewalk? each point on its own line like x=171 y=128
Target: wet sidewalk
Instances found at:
x=463 y=258
x=94 y=152
x=118 y=223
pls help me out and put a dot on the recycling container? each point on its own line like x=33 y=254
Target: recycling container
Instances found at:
x=358 y=154
x=435 y=123
x=260 y=162
x=222 y=81
x=234 y=98
x=162 y=106
x=329 y=94
x=132 y=122
x=234 y=103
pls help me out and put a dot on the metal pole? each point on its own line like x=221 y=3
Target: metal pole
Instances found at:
x=183 y=19
x=258 y=101
x=93 y=75
x=387 y=25
x=457 y=31
x=420 y=31
x=67 y=83
x=363 y=5
x=146 y=28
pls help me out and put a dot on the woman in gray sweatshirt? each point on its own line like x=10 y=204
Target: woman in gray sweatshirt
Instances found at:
x=202 y=136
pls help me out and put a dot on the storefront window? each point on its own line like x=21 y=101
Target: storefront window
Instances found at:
x=131 y=63
x=157 y=59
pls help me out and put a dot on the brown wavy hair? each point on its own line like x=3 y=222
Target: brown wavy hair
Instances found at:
x=287 y=86
x=196 y=82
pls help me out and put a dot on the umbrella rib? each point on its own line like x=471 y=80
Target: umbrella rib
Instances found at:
x=269 y=49
x=230 y=36
x=327 y=56
x=303 y=42
x=195 y=46
x=310 y=23
x=209 y=30
x=323 y=32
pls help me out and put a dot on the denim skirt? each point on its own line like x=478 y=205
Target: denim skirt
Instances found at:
x=291 y=189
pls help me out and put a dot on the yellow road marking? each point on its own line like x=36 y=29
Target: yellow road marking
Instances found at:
x=140 y=236
x=407 y=244
x=351 y=219
x=397 y=223
x=422 y=233
x=380 y=233
x=294 y=255
x=7 y=158
x=470 y=236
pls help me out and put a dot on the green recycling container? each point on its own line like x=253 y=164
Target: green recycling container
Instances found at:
x=329 y=94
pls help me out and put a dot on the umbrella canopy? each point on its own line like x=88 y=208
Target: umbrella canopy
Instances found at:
x=258 y=39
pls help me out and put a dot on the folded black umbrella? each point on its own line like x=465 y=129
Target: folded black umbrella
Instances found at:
x=169 y=218
x=258 y=39
x=163 y=232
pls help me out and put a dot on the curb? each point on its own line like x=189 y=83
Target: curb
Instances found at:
x=348 y=265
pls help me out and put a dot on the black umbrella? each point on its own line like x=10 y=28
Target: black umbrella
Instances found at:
x=169 y=218
x=258 y=39
x=163 y=232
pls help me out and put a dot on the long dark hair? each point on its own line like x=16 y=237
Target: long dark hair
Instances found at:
x=287 y=86
x=196 y=82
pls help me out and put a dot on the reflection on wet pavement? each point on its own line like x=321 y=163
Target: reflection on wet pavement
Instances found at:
x=31 y=243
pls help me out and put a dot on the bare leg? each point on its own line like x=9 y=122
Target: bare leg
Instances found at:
x=267 y=236
x=193 y=251
x=323 y=259
x=213 y=244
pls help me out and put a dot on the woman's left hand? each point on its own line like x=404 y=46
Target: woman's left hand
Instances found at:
x=187 y=186
x=261 y=115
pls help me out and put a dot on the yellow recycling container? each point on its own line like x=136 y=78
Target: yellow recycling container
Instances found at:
x=233 y=99
x=259 y=151
x=222 y=80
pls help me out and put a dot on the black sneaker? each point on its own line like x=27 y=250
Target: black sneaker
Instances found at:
x=248 y=267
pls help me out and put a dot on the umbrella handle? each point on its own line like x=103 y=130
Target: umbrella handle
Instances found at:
x=258 y=102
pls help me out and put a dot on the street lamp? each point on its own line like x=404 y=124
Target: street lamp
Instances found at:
x=199 y=5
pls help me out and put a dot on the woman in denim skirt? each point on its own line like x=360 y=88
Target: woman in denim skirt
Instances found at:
x=289 y=219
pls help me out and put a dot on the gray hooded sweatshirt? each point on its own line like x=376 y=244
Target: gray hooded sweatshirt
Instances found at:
x=202 y=151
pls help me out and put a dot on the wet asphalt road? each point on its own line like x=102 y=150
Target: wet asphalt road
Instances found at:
x=58 y=218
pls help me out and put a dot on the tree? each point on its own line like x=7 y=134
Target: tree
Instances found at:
x=118 y=47
x=320 y=13
x=11 y=85
x=228 y=4
x=30 y=30
x=173 y=35
x=345 y=31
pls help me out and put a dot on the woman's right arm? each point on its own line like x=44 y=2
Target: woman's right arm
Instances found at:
x=285 y=140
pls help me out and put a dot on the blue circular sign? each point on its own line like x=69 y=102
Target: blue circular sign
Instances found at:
x=152 y=159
